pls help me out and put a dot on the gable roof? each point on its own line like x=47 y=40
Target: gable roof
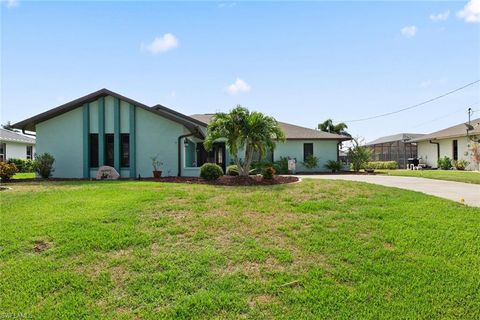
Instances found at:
x=292 y=132
x=12 y=136
x=29 y=124
x=406 y=137
x=459 y=130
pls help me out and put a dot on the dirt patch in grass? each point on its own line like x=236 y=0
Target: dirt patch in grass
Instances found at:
x=41 y=245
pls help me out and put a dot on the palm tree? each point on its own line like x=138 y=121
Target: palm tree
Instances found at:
x=241 y=128
x=329 y=126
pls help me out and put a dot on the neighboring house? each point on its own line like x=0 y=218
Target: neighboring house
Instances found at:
x=105 y=128
x=396 y=147
x=454 y=142
x=14 y=145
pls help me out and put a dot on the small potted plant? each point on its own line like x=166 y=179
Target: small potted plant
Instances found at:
x=156 y=164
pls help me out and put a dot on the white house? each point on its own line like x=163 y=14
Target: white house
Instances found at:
x=14 y=145
x=454 y=142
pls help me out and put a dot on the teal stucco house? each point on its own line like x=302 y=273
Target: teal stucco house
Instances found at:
x=106 y=128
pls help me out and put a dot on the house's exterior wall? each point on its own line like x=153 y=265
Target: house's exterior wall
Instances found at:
x=157 y=135
x=324 y=150
x=17 y=150
x=65 y=137
x=428 y=151
x=62 y=137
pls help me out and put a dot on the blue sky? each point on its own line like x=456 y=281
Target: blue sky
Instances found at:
x=301 y=62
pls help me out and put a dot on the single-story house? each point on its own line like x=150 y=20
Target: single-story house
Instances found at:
x=454 y=142
x=397 y=147
x=106 y=128
x=14 y=145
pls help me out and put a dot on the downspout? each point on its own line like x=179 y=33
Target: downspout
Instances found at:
x=180 y=151
x=438 y=148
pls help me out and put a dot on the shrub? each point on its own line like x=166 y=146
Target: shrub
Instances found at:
x=23 y=165
x=358 y=155
x=385 y=165
x=281 y=166
x=44 y=165
x=268 y=173
x=310 y=162
x=333 y=165
x=7 y=171
x=460 y=164
x=232 y=170
x=445 y=163
x=211 y=171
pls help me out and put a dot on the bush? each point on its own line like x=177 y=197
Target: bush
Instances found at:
x=232 y=170
x=460 y=164
x=445 y=163
x=7 y=171
x=382 y=165
x=23 y=165
x=333 y=165
x=268 y=173
x=44 y=165
x=358 y=155
x=310 y=162
x=281 y=166
x=211 y=171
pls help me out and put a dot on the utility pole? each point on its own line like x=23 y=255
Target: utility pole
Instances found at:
x=469 y=115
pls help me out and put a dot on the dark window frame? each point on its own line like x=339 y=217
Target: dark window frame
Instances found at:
x=125 y=149
x=3 y=154
x=29 y=155
x=307 y=150
x=93 y=145
x=455 y=149
x=109 y=151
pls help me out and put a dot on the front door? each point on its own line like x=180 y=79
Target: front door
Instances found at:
x=219 y=154
x=216 y=155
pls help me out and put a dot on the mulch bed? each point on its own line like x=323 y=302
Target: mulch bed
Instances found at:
x=231 y=181
x=222 y=181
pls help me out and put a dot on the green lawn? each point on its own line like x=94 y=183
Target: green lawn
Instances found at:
x=317 y=249
x=24 y=175
x=451 y=175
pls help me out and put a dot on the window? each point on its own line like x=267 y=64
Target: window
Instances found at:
x=125 y=150
x=93 y=150
x=455 y=149
x=3 y=152
x=29 y=152
x=307 y=150
x=109 y=149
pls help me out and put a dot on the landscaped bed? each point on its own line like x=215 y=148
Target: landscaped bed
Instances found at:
x=315 y=249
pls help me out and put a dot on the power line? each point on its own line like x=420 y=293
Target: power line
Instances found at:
x=438 y=118
x=415 y=105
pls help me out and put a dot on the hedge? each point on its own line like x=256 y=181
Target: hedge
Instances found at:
x=382 y=165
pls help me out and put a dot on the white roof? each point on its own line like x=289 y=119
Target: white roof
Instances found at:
x=13 y=136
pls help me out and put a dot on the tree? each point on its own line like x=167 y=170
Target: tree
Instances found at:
x=358 y=155
x=329 y=126
x=7 y=126
x=242 y=129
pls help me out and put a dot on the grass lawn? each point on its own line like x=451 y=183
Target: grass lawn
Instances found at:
x=24 y=175
x=317 y=249
x=451 y=175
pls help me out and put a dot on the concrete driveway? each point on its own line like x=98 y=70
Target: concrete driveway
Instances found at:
x=444 y=189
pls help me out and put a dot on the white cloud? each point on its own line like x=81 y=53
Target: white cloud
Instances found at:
x=227 y=5
x=10 y=3
x=161 y=44
x=442 y=16
x=425 y=83
x=409 y=31
x=238 y=86
x=471 y=12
